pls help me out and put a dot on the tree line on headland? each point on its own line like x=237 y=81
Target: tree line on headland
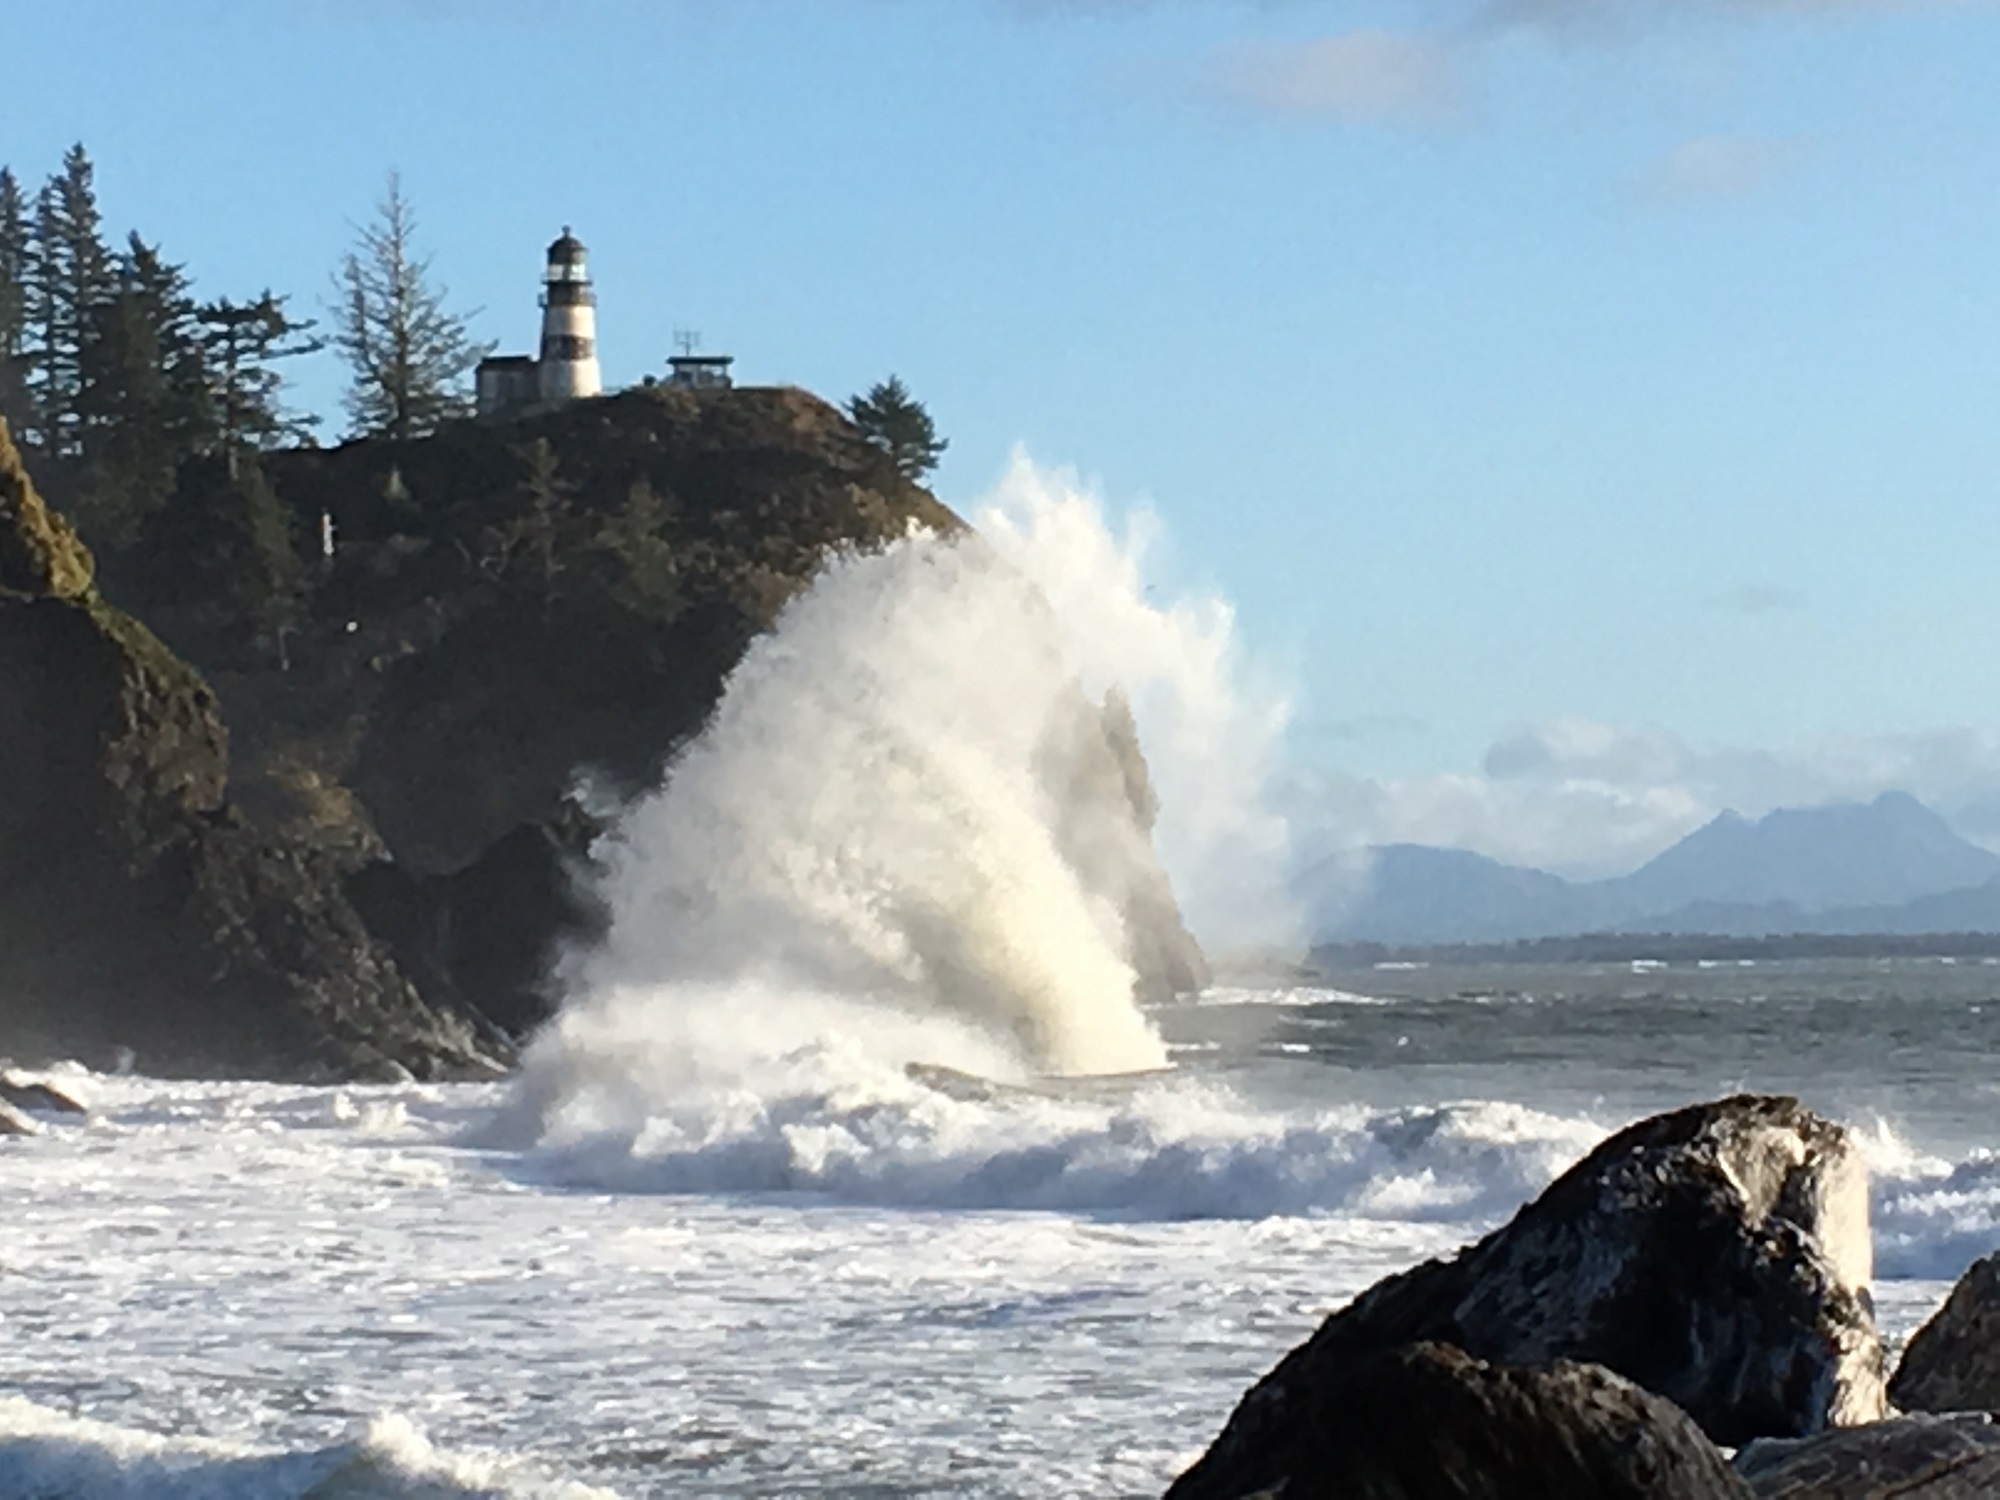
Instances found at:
x=114 y=372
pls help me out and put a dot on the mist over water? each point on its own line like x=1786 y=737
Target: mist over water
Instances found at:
x=902 y=838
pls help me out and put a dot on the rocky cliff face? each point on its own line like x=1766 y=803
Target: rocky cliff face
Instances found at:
x=422 y=649
x=137 y=908
x=508 y=606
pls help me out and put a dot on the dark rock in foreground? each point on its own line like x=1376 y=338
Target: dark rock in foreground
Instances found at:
x=1717 y=1256
x=1915 y=1458
x=1428 y=1420
x=137 y=908
x=1953 y=1362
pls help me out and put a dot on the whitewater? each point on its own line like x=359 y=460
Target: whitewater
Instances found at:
x=851 y=1166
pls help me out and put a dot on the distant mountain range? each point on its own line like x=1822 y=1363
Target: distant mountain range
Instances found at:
x=1887 y=866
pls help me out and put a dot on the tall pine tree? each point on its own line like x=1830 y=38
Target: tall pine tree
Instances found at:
x=409 y=356
x=144 y=403
x=71 y=275
x=900 y=425
x=241 y=341
x=16 y=251
x=221 y=557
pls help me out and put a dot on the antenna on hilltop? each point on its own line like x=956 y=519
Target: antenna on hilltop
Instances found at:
x=687 y=340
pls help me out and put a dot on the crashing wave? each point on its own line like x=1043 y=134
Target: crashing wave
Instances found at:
x=52 y=1456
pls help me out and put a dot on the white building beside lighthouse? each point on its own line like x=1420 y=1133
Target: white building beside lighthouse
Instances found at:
x=567 y=368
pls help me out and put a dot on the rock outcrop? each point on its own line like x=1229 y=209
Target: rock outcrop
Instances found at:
x=1952 y=1363
x=33 y=1094
x=1717 y=1256
x=1427 y=1420
x=137 y=908
x=508 y=609
x=1914 y=1458
x=509 y=605
x=486 y=938
x=1101 y=779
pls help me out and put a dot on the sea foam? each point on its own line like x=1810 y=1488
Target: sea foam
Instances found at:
x=49 y=1455
x=832 y=1121
x=1932 y=1218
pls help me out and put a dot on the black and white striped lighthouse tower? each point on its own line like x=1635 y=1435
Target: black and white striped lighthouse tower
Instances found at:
x=568 y=365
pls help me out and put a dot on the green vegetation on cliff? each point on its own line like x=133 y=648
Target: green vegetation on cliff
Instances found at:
x=40 y=552
x=505 y=605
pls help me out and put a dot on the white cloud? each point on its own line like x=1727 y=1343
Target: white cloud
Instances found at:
x=1713 y=167
x=1618 y=17
x=1421 y=75
x=1376 y=727
x=1588 y=799
x=1750 y=598
x=1372 y=76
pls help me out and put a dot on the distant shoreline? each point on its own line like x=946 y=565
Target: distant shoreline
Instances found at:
x=1630 y=947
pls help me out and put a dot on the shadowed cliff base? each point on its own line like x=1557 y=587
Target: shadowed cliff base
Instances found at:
x=138 y=909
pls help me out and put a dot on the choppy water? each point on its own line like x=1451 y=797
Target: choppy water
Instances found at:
x=832 y=1280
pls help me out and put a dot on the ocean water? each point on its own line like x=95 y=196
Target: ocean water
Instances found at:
x=849 y=1167
x=830 y=1278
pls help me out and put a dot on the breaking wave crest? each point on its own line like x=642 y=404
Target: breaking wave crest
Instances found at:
x=834 y=1120
x=1932 y=1218
x=51 y=1456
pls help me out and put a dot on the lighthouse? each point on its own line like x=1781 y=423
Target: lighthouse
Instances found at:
x=568 y=368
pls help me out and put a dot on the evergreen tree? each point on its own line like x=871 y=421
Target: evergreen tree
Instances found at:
x=408 y=355
x=545 y=516
x=143 y=403
x=224 y=545
x=643 y=568
x=890 y=418
x=70 y=274
x=240 y=341
x=16 y=250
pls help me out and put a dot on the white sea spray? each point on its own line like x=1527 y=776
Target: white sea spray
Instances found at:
x=880 y=851
x=51 y=1455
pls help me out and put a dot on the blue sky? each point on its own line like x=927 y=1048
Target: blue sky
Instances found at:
x=1601 y=374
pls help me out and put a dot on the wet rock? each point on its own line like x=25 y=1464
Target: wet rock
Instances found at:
x=13 y=1122
x=33 y=1094
x=485 y=939
x=1095 y=770
x=1717 y=1256
x=1914 y=1458
x=1953 y=1362
x=1429 y=1420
